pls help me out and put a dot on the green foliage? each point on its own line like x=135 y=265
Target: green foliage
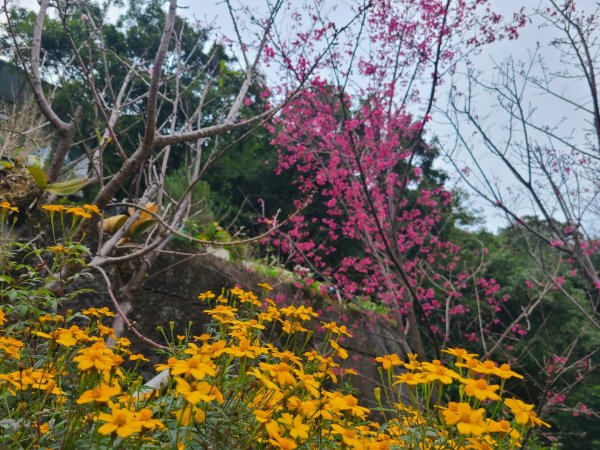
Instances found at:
x=556 y=328
x=201 y=210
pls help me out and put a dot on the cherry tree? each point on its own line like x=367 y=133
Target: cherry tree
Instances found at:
x=355 y=137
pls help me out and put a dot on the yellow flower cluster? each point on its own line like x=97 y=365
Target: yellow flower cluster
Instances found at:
x=480 y=384
x=50 y=369
x=84 y=211
x=29 y=378
x=256 y=379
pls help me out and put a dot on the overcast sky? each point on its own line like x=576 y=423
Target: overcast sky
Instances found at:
x=547 y=110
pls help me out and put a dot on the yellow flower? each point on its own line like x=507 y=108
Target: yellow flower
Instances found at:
x=168 y=366
x=98 y=312
x=310 y=384
x=185 y=415
x=122 y=343
x=435 y=371
x=245 y=349
x=349 y=437
x=287 y=357
x=196 y=366
x=67 y=337
x=8 y=206
x=79 y=211
x=265 y=418
x=42 y=428
x=334 y=328
x=471 y=364
x=11 y=347
x=206 y=296
x=339 y=402
x=481 y=390
x=265 y=286
x=315 y=409
x=412 y=363
x=2 y=317
x=198 y=391
x=467 y=420
x=59 y=248
x=204 y=337
x=388 y=361
x=120 y=421
x=297 y=429
x=503 y=427
x=410 y=378
x=524 y=413
x=99 y=394
x=246 y=296
x=103 y=330
x=242 y=329
x=283 y=443
x=144 y=416
x=51 y=318
x=270 y=315
x=460 y=354
x=207 y=351
x=54 y=208
x=138 y=357
x=222 y=313
x=281 y=373
x=92 y=209
x=95 y=357
x=504 y=371
x=340 y=351
x=32 y=378
x=483 y=444
x=292 y=327
x=486 y=367
x=301 y=312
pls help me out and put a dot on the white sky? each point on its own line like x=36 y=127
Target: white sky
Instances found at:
x=548 y=110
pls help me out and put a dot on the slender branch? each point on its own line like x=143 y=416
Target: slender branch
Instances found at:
x=214 y=130
x=34 y=75
x=122 y=314
x=174 y=231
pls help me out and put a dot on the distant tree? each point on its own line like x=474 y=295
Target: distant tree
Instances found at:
x=549 y=170
x=352 y=141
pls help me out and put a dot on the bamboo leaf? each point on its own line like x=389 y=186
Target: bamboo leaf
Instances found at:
x=39 y=176
x=68 y=187
x=112 y=224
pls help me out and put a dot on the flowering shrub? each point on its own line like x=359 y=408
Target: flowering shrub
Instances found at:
x=258 y=378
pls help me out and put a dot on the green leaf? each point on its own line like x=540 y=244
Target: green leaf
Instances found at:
x=39 y=176
x=139 y=228
x=68 y=187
